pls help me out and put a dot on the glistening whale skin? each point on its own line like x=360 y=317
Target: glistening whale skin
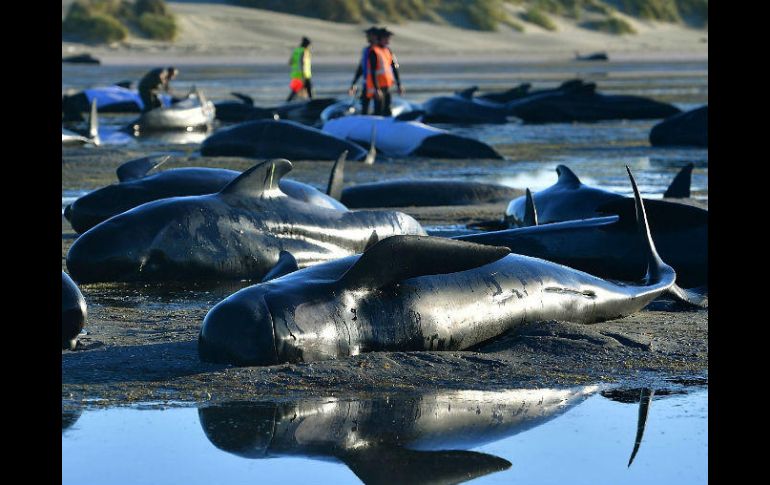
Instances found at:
x=408 y=138
x=236 y=233
x=399 y=439
x=73 y=312
x=136 y=187
x=278 y=138
x=414 y=293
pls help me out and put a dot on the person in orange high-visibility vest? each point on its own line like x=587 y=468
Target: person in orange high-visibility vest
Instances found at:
x=361 y=70
x=382 y=73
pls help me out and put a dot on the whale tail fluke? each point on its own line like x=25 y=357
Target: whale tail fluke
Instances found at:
x=372 y=149
x=337 y=176
x=680 y=186
x=93 y=124
x=657 y=270
x=530 y=211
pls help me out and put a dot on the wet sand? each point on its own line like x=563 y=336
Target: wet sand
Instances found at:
x=142 y=341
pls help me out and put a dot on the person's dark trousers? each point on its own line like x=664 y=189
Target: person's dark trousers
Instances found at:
x=382 y=106
x=149 y=101
x=364 y=103
x=309 y=88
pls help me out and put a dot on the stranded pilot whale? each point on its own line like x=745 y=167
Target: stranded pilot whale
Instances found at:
x=278 y=138
x=73 y=312
x=410 y=439
x=416 y=293
x=136 y=187
x=408 y=138
x=235 y=233
x=569 y=199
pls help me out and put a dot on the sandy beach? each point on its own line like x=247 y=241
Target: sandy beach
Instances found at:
x=212 y=32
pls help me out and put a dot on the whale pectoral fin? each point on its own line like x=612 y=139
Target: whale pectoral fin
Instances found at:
x=530 y=211
x=689 y=297
x=136 y=169
x=680 y=186
x=372 y=154
x=387 y=465
x=401 y=257
x=645 y=399
x=93 y=124
x=286 y=264
x=260 y=180
x=337 y=176
x=566 y=176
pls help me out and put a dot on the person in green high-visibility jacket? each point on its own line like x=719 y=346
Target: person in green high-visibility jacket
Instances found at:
x=300 y=70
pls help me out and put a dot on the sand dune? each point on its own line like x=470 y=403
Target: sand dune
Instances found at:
x=214 y=32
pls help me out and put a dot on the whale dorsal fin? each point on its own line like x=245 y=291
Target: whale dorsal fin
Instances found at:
x=261 y=180
x=680 y=186
x=136 y=169
x=402 y=257
x=571 y=84
x=567 y=176
x=337 y=176
x=286 y=264
x=245 y=98
x=407 y=466
x=530 y=211
x=467 y=93
x=373 y=239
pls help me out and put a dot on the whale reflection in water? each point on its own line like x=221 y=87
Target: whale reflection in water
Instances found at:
x=420 y=439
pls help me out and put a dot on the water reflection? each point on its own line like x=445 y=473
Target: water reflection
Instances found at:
x=407 y=440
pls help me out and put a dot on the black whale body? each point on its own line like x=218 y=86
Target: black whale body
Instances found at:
x=73 y=312
x=594 y=230
x=414 y=293
x=570 y=199
x=417 y=193
x=305 y=111
x=585 y=104
x=136 y=188
x=278 y=138
x=236 y=233
x=409 y=439
x=684 y=129
x=609 y=246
